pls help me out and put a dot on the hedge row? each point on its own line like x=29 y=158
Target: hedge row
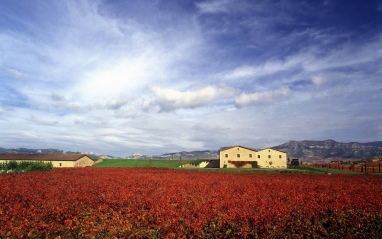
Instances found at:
x=18 y=167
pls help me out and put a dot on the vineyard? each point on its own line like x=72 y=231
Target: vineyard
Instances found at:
x=374 y=167
x=169 y=203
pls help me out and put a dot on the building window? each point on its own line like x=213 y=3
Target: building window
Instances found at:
x=250 y=155
x=226 y=155
x=238 y=148
x=269 y=150
x=280 y=156
x=60 y=164
x=258 y=156
x=238 y=155
x=269 y=156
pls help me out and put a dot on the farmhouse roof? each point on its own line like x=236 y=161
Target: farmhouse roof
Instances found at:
x=240 y=147
x=274 y=149
x=253 y=149
x=42 y=157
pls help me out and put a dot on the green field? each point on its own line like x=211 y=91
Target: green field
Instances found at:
x=144 y=163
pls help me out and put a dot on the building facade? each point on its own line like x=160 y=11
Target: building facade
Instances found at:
x=243 y=157
x=58 y=160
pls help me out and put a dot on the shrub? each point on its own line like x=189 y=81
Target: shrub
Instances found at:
x=3 y=166
x=12 y=165
x=39 y=166
x=23 y=165
x=19 y=167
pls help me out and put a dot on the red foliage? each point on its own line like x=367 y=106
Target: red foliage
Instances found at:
x=167 y=203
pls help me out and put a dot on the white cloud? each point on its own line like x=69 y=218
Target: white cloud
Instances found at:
x=241 y=72
x=124 y=77
x=17 y=74
x=319 y=80
x=169 y=99
x=41 y=121
x=56 y=96
x=262 y=98
x=347 y=55
x=228 y=6
x=269 y=67
x=71 y=106
x=126 y=114
x=214 y=6
x=117 y=103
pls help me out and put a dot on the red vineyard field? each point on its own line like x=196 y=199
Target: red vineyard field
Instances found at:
x=166 y=203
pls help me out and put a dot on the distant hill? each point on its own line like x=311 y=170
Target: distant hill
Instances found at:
x=30 y=151
x=50 y=151
x=205 y=154
x=377 y=143
x=327 y=150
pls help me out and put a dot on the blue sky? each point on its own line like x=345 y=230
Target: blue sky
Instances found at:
x=121 y=77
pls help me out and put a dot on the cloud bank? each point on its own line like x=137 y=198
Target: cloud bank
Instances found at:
x=151 y=77
x=169 y=99
x=263 y=98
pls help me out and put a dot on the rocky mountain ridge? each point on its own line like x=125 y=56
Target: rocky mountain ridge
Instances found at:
x=328 y=150
x=305 y=150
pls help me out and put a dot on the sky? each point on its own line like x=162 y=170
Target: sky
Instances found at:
x=153 y=77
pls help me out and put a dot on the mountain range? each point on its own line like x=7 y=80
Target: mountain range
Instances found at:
x=306 y=150
x=205 y=154
x=328 y=150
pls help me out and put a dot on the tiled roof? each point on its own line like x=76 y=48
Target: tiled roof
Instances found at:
x=42 y=157
x=274 y=149
x=253 y=149
x=239 y=147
